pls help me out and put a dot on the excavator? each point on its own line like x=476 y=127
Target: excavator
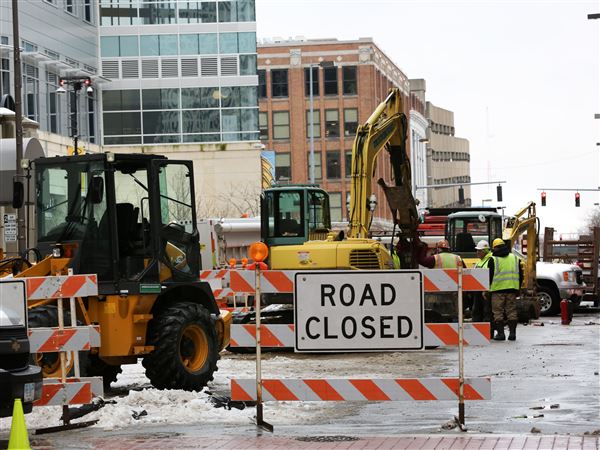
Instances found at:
x=131 y=220
x=295 y=219
x=296 y=223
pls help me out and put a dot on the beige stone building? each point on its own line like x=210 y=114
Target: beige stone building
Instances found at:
x=448 y=159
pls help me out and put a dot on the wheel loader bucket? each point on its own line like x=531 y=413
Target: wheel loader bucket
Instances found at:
x=224 y=328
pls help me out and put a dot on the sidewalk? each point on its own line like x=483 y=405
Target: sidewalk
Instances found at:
x=268 y=441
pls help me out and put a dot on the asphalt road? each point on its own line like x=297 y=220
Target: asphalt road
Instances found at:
x=547 y=379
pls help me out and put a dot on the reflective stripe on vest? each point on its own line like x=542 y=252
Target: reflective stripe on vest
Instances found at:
x=446 y=261
x=506 y=273
x=483 y=261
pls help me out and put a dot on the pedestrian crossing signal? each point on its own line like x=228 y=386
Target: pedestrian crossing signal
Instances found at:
x=577 y=199
x=543 y=199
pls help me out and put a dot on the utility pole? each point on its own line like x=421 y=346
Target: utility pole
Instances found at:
x=18 y=120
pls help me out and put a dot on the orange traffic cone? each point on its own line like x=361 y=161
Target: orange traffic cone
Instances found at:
x=18 y=429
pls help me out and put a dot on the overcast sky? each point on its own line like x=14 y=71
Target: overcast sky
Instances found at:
x=522 y=78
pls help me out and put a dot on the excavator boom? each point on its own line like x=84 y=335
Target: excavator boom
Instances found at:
x=385 y=128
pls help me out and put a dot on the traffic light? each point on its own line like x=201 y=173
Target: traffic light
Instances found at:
x=577 y=198
x=499 y=192
x=461 y=195
x=543 y=198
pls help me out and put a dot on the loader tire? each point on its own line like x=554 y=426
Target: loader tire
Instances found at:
x=186 y=348
x=93 y=366
x=46 y=317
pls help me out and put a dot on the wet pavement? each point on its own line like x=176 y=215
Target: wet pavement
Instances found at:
x=545 y=390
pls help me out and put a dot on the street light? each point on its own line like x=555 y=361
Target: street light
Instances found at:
x=77 y=83
x=312 y=118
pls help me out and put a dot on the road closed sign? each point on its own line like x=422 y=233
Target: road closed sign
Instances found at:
x=358 y=311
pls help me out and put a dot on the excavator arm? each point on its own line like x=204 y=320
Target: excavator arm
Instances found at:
x=385 y=128
x=525 y=221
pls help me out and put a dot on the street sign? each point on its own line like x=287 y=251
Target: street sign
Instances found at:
x=358 y=311
x=10 y=228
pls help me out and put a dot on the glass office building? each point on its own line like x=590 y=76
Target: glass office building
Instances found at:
x=180 y=71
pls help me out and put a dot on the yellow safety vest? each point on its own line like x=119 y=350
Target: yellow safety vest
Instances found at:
x=506 y=273
x=446 y=260
x=482 y=263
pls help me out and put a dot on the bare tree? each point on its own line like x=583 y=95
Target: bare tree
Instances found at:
x=593 y=220
x=234 y=200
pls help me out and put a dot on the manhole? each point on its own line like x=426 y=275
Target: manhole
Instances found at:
x=327 y=438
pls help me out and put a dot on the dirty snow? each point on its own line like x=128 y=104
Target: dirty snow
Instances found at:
x=133 y=392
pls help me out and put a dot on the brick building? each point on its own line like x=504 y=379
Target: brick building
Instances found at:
x=350 y=78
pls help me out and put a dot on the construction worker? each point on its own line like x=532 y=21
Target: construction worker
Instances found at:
x=506 y=277
x=481 y=300
x=441 y=259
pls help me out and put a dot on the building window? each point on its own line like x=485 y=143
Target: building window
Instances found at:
x=281 y=125
x=279 y=83
x=316 y=121
x=349 y=80
x=348 y=163
x=315 y=74
x=91 y=120
x=263 y=126
x=157 y=13
x=70 y=6
x=333 y=165
x=197 y=12
x=4 y=76
x=53 y=102
x=87 y=11
x=283 y=167
x=330 y=80
x=332 y=123
x=262 y=84
x=247 y=64
x=31 y=92
x=335 y=206
x=350 y=121
x=318 y=171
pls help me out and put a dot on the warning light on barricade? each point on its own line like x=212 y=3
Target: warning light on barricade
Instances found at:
x=244 y=262
x=258 y=251
x=232 y=263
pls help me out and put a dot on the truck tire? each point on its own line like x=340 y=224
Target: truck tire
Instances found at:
x=186 y=348
x=549 y=300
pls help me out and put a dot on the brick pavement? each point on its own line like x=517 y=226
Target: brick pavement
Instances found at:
x=268 y=442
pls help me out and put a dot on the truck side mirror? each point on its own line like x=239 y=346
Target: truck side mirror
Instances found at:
x=96 y=190
x=18 y=194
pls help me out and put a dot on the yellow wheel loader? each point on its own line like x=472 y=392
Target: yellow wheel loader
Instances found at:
x=130 y=219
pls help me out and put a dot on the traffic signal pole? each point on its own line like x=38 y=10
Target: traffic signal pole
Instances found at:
x=577 y=193
x=21 y=225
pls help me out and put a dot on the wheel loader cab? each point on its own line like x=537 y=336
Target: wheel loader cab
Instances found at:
x=292 y=215
x=128 y=218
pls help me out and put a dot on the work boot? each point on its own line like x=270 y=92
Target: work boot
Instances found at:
x=499 y=331
x=512 y=327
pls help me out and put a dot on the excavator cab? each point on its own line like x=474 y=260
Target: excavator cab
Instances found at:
x=294 y=214
x=128 y=218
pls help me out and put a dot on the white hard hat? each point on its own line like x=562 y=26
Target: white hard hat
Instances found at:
x=482 y=245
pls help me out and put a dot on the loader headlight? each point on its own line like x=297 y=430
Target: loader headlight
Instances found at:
x=57 y=251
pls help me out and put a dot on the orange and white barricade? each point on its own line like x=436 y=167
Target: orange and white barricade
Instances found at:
x=399 y=389
x=282 y=281
x=68 y=339
x=435 y=335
